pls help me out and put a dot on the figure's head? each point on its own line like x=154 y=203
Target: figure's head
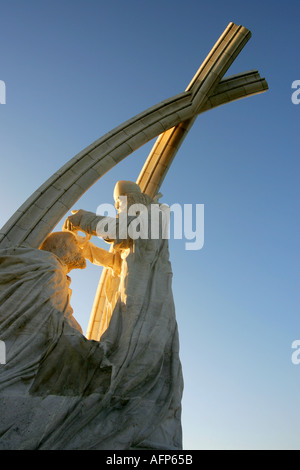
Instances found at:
x=133 y=193
x=66 y=247
x=122 y=188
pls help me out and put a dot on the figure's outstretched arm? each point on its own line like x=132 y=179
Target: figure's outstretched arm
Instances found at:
x=84 y=221
x=108 y=228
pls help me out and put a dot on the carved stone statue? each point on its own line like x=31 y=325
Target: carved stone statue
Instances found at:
x=123 y=392
x=120 y=386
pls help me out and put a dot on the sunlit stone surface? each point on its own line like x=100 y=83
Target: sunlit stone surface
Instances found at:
x=120 y=386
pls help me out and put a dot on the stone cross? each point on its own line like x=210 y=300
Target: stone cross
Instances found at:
x=171 y=120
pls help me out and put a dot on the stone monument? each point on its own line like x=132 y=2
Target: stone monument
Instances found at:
x=120 y=385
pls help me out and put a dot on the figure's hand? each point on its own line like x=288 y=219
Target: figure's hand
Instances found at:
x=72 y=223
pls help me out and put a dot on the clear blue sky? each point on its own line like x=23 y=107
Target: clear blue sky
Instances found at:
x=74 y=70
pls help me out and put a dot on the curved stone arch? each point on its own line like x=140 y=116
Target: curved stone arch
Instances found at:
x=37 y=217
x=171 y=120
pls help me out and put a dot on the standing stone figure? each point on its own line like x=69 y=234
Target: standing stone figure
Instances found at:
x=142 y=336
